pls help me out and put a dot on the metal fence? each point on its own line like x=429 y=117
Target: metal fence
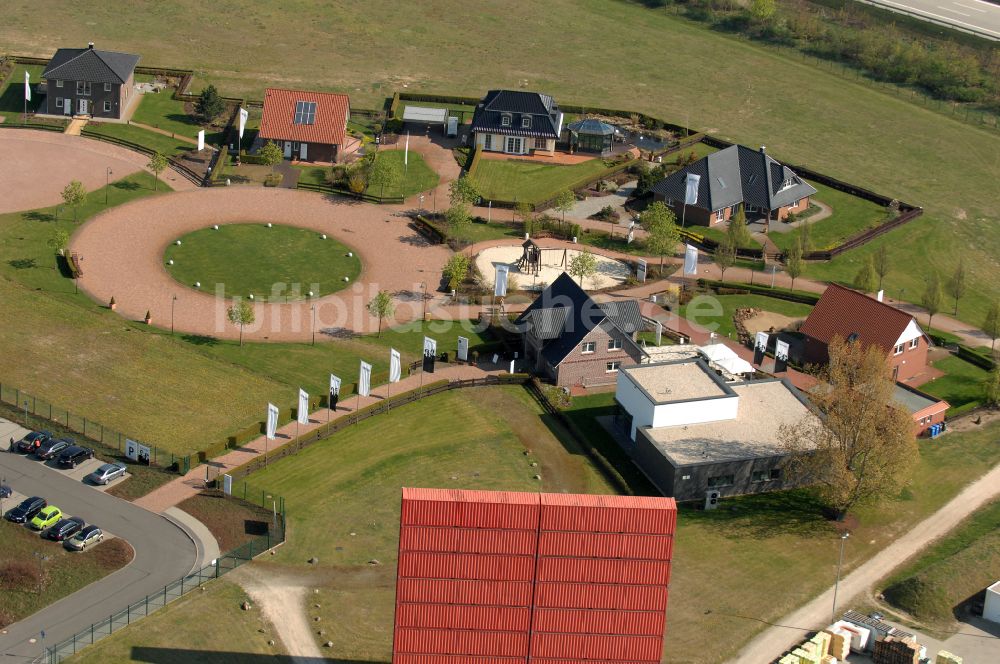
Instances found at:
x=138 y=610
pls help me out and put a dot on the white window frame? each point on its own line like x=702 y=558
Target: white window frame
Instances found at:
x=504 y=120
x=588 y=347
x=107 y=107
x=526 y=122
x=612 y=366
x=541 y=144
x=59 y=102
x=107 y=87
x=614 y=343
x=83 y=88
x=59 y=83
x=914 y=343
x=488 y=142
x=898 y=350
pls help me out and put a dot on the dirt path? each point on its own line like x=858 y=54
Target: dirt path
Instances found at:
x=787 y=631
x=281 y=599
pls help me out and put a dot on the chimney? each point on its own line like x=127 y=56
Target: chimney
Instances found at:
x=90 y=45
x=879 y=295
x=763 y=149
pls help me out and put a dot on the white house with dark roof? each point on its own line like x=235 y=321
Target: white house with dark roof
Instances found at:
x=88 y=81
x=517 y=122
x=736 y=176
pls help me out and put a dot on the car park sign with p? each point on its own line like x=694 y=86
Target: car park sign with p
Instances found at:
x=136 y=451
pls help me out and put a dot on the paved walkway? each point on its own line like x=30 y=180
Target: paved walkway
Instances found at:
x=75 y=126
x=164 y=132
x=184 y=487
x=788 y=631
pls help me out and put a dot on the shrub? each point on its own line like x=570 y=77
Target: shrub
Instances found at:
x=19 y=575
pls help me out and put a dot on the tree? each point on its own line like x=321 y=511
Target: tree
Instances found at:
x=384 y=172
x=793 y=262
x=458 y=219
x=565 y=202
x=58 y=241
x=725 y=255
x=526 y=212
x=762 y=10
x=357 y=180
x=931 y=301
x=270 y=155
x=74 y=195
x=880 y=259
x=464 y=190
x=584 y=264
x=956 y=285
x=456 y=270
x=863 y=449
x=660 y=224
x=865 y=280
x=991 y=325
x=805 y=237
x=382 y=307
x=991 y=387
x=241 y=313
x=209 y=105
x=157 y=164
x=738 y=229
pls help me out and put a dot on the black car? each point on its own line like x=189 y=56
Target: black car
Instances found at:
x=64 y=529
x=27 y=510
x=32 y=441
x=73 y=455
x=51 y=448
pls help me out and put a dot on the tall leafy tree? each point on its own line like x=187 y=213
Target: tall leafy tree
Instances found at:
x=270 y=155
x=74 y=195
x=381 y=306
x=464 y=190
x=866 y=279
x=957 y=283
x=157 y=164
x=58 y=241
x=931 y=301
x=459 y=219
x=794 y=263
x=738 y=229
x=724 y=255
x=583 y=265
x=456 y=270
x=880 y=259
x=565 y=202
x=209 y=104
x=241 y=313
x=384 y=173
x=662 y=234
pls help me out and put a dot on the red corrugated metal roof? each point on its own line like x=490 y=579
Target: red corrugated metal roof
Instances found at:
x=598 y=596
x=460 y=616
x=597 y=647
x=460 y=659
x=616 y=502
x=464 y=591
x=461 y=642
x=605 y=545
x=842 y=311
x=416 y=564
x=609 y=520
x=467 y=540
x=588 y=621
x=597 y=570
x=329 y=127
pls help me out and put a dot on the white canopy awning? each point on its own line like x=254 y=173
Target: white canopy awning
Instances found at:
x=726 y=358
x=425 y=114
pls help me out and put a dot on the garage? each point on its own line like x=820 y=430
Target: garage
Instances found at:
x=426 y=115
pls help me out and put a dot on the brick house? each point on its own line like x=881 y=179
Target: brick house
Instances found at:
x=732 y=177
x=88 y=81
x=925 y=410
x=308 y=126
x=573 y=340
x=517 y=122
x=852 y=316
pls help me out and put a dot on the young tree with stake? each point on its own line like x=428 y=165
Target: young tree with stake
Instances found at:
x=583 y=265
x=74 y=195
x=793 y=262
x=58 y=241
x=931 y=301
x=880 y=260
x=565 y=202
x=865 y=280
x=956 y=285
x=662 y=234
x=382 y=307
x=459 y=219
x=463 y=190
x=157 y=164
x=241 y=313
x=724 y=255
x=991 y=324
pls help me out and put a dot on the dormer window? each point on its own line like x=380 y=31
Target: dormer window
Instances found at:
x=526 y=123
x=505 y=120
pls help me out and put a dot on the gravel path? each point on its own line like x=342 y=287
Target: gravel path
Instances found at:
x=281 y=599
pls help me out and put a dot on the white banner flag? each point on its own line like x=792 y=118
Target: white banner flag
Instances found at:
x=761 y=341
x=631 y=236
x=781 y=350
x=406 y=152
x=430 y=346
x=690 y=259
x=365 y=379
x=500 y=281
x=463 y=349
x=272 y=421
x=691 y=189
x=640 y=271
x=244 y=114
x=227 y=484
x=395 y=369
x=27 y=86
x=201 y=140
x=303 y=410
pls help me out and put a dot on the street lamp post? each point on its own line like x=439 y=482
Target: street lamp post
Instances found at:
x=173 y=301
x=836 y=585
x=423 y=301
x=107 y=185
x=313 y=308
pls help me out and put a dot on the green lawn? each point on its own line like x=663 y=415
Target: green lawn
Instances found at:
x=274 y=263
x=718 y=234
x=148 y=139
x=63 y=572
x=530 y=182
x=417 y=177
x=12 y=93
x=961 y=384
x=162 y=111
x=715 y=312
x=851 y=215
x=203 y=627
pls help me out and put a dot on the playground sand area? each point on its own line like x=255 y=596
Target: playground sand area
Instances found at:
x=554 y=261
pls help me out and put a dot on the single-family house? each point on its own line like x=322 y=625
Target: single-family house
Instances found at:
x=925 y=410
x=89 y=81
x=308 y=126
x=732 y=177
x=517 y=122
x=572 y=340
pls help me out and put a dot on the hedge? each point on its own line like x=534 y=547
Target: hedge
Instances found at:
x=474 y=162
x=802 y=297
x=971 y=356
x=219 y=163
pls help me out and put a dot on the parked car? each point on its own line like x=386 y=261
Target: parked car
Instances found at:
x=51 y=448
x=48 y=516
x=107 y=473
x=27 y=510
x=73 y=455
x=64 y=529
x=89 y=536
x=32 y=441
x=5 y=491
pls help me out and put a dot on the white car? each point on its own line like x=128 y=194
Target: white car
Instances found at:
x=107 y=473
x=86 y=537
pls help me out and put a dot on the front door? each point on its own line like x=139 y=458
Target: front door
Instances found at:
x=83 y=106
x=68 y=106
x=302 y=151
x=288 y=149
x=514 y=145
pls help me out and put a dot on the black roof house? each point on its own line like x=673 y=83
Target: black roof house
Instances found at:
x=518 y=113
x=735 y=175
x=90 y=64
x=564 y=314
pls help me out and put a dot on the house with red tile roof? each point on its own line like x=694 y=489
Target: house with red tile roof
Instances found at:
x=852 y=316
x=308 y=126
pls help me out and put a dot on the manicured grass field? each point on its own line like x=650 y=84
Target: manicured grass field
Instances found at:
x=150 y=139
x=851 y=215
x=961 y=384
x=530 y=182
x=416 y=178
x=203 y=627
x=269 y=263
x=12 y=93
x=161 y=111
x=718 y=234
x=62 y=572
x=704 y=312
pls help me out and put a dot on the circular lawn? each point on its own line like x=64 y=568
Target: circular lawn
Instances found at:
x=278 y=263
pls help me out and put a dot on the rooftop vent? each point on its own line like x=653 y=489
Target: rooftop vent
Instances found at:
x=90 y=45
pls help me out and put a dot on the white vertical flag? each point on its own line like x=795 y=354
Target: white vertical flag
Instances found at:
x=201 y=140
x=244 y=114
x=303 y=414
x=690 y=259
x=406 y=152
x=334 y=391
x=395 y=370
x=463 y=349
x=27 y=86
x=691 y=189
x=365 y=379
x=272 y=421
x=640 y=271
x=500 y=281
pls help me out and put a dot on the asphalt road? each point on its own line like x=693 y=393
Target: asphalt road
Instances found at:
x=973 y=15
x=163 y=553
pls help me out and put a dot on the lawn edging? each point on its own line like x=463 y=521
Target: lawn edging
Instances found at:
x=802 y=297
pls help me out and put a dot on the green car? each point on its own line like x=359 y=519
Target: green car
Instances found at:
x=47 y=517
